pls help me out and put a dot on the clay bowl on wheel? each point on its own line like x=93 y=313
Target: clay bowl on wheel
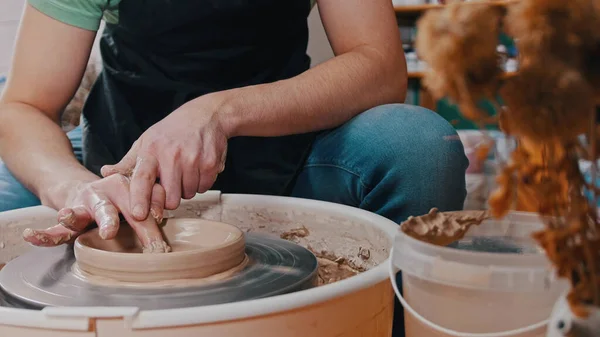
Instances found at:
x=200 y=248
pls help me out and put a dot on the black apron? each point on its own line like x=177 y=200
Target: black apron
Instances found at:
x=163 y=53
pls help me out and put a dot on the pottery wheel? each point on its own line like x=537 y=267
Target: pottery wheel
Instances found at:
x=43 y=277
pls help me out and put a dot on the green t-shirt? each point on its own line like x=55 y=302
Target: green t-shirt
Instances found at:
x=86 y=14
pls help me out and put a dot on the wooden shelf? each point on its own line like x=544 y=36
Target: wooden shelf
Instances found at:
x=420 y=74
x=417 y=10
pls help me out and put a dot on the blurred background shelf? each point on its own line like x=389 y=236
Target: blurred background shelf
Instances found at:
x=417 y=10
x=421 y=96
x=418 y=94
x=420 y=74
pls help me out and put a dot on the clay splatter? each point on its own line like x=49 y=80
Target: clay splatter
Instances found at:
x=295 y=233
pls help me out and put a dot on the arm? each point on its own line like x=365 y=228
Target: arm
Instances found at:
x=369 y=70
x=48 y=65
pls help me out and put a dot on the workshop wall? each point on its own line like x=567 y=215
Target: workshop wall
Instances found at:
x=9 y=23
x=319 y=48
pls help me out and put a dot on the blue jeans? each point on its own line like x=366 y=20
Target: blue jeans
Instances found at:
x=393 y=160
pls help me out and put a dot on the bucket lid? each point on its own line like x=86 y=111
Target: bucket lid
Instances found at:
x=496 y=255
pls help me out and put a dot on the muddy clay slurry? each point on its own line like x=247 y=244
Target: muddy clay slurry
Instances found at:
x=331 y=268
x=442 y=229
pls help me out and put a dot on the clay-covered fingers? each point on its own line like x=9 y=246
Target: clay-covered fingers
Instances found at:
x=149 y=234
x=141 y=186
x=75 y=219
x=106 y=216
x=71 y=222
x=147 y=230
x=157 y=205
x=53 y=236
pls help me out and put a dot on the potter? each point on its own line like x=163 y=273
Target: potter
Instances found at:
x=196 y=96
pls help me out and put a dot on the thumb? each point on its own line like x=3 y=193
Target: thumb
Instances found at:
x=124 y=167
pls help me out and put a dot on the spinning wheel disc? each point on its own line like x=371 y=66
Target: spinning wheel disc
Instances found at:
x=44 y=277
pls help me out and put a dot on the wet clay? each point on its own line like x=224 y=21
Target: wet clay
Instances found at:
x=199 y=249
x=331 y=268
x=331 y=271
x=442 y=228
x=353 y=239
x=295 y=233
x=173 y=283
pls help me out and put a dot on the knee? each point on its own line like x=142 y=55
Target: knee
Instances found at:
x=414 y=150
x=402 y=134
x=13 y=195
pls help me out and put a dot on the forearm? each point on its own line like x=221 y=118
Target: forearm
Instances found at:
x=38 y=153
x=323 y=97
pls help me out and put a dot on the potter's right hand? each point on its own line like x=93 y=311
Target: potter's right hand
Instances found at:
x=101 y=201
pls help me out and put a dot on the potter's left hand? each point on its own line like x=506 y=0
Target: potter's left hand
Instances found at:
x=185 y=151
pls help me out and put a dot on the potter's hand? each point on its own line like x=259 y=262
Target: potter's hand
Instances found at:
x=185 y=152
x=101 y=201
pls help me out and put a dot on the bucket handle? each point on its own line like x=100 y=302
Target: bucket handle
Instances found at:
x=425 y=321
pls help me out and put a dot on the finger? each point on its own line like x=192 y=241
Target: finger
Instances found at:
x=71 y=222
x=158 y=203
x=124 y=167
x=149 y=234
x=147 y=230
x=170 y=179
x=50 y=237
x=207 y=180
x=105 y=214
x=140 y=186
x=211 y=166
x=223 y=160
x=75 y=219
x=190 y=180
x=210 y=170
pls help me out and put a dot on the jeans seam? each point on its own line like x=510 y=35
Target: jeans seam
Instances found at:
x=360 y=179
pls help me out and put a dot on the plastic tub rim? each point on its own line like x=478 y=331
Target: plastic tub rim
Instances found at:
x=449 y=251
x=417 y=258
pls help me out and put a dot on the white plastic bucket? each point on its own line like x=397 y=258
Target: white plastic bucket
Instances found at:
x=495 y=282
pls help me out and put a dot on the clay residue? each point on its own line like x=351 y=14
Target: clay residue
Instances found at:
x=442 y=228
x=44 y=239
x=156 y=247
x=331 y=272
x=293 y=234
x=364 y=253
x=331 y=268
x=2 y=265
x=334 y=268
x=332 y=232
